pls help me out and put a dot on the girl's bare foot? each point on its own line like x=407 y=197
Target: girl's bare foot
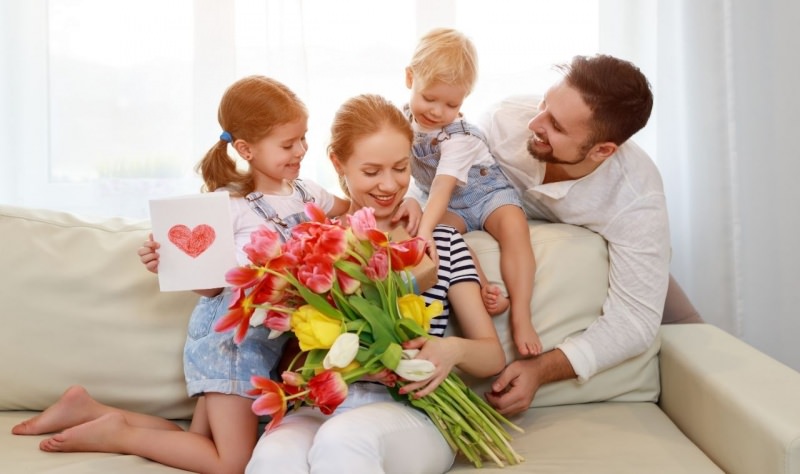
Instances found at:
x=96 y=436
x=73 y=408
x=494 y=300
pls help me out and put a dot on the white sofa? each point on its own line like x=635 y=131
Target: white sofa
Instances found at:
x=78 y=308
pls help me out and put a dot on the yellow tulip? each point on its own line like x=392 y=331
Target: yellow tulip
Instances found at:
x=313 y=329
x=413 y=307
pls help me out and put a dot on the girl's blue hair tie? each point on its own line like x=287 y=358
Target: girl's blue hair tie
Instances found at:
x=226 y=137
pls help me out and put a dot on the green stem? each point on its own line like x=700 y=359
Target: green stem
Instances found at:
x=489 y=426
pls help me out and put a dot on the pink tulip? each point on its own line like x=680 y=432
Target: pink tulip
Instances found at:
x=378 y=266
x=348 y=284
x=362 y=221
x=292 y=379
x=316 y=272
x=265 y=244
x=278 y=321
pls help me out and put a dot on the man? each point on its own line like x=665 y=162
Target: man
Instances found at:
x=578 y=167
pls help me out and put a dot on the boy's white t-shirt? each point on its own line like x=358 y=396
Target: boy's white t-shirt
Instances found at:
x=459 y=153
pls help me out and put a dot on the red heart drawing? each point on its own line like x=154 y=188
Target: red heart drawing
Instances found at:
x=193 y=242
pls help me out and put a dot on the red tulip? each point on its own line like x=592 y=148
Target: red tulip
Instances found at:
x=238 y=318
x=328 y=390
x=243 y=277
x=406 y=253
x=315 y=213
x=272 y=400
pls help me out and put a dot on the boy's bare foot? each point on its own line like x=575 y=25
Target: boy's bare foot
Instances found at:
x=97 y=436
x=73 y=408
x=526 y=339
x=494 y=300
x=528 y=347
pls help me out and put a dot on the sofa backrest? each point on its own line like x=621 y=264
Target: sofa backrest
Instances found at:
x=570 y=288
x=79 y=307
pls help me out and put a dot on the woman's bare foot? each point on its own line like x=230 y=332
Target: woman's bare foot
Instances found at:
x=73 y=408
x=96 y=436
x=494 y=300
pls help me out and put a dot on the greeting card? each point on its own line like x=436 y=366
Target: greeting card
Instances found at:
x=196 y=237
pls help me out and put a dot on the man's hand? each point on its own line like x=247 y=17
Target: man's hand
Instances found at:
x=517 y=384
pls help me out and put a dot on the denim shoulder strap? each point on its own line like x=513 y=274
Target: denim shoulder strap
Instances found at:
x=261 y=207
x=460 y=126
x=304 y=193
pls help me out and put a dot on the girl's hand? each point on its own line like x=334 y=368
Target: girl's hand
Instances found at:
x=148 y=254
x=411 y=212
x=430 y=247
x=443 y=352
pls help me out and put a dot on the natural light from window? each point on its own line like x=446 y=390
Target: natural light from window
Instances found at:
x=132 y=87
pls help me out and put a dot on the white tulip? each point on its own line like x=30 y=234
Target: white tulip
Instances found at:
x=258 y=317
x=415 y=370
x=342 y=352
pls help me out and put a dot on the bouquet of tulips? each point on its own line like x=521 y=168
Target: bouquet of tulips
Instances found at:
x=346 y=294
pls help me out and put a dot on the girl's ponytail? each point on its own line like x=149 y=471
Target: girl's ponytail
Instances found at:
x=218 y=170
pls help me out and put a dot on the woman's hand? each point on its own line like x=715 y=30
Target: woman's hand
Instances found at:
x=148 y=254
x=443 y=352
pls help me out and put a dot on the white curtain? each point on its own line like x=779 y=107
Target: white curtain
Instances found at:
x=726 y=76
x=108 y=103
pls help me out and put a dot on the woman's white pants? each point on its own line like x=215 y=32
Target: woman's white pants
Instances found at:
x=369 y=433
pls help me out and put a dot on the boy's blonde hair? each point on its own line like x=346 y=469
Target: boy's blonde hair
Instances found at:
x=445 y=55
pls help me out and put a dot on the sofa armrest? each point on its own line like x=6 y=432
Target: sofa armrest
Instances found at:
x=738 y=405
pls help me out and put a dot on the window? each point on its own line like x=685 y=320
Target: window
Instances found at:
x=112 y=103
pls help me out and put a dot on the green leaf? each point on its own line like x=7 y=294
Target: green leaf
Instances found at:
x=409 y=329
x=341 y=302
x=391 y=356
x=314 y=359
x=382 y=327
x=369 y=356
x=315 y=300
x=354 y=270
x=371 y=293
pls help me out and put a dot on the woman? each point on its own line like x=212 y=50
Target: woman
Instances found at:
x=370 y=432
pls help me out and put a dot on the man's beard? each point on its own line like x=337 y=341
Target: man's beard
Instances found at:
x=549 y=157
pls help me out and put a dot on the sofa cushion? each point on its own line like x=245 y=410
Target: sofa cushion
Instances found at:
x=569 y=290
x=600 y=438
x=79 y=308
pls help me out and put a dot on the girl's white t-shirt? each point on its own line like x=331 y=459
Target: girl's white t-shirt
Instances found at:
x=245 y=220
